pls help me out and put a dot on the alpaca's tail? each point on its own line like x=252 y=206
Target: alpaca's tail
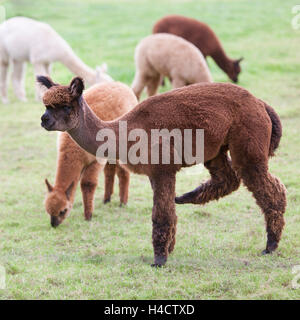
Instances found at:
x=276 y=129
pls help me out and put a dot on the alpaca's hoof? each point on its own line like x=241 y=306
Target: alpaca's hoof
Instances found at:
x=122 y=204
x=159 y=261
x=185 y=198
x=155 y=265
x=5 y=101
x=268 y=251
x=106 y=200
x=179 y=200
x=189 y=197
x=88 y=217
x=271 y=246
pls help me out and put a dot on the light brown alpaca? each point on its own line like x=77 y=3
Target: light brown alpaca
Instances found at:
x=160 y=55
x=108 y=101
x=232 y=119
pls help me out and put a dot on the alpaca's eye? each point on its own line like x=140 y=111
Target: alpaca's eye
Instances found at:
x=62 y=213
x=67 y=109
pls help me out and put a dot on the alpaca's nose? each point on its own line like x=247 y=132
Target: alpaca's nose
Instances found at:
x=45 y=118
x=54 y=222
x=47 y=121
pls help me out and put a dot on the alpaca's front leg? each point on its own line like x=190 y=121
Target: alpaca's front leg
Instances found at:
x=124 y=179
x=163 y=217
x=109 y=174
x=48 y=68
x=17 y=77
x=3 y=80
x=89 y=182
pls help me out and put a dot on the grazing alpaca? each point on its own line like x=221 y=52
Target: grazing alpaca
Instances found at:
x=23 y=39
x=167 y=55
x=109 y=101
x=203 y=37
x=232 y=119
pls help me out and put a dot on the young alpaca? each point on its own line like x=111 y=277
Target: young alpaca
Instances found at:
x=109 y=101
x=232 y=119
x=203 y=37
x=23 y=39
x=162 y=55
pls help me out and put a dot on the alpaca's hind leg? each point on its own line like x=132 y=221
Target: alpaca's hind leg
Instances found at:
x=138 y=84
x=88 y=184
x=177 y=82
x=18 y=76
x=163 y=217
x=3 y=80
x=173 y=241
x=124 y=178
x=223 y=181
x=109 y=173
x=162 y=81
x=48 y=68
x=270 y=195
x=152 y=85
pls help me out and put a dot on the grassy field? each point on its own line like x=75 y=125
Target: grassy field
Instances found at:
x=217 y=255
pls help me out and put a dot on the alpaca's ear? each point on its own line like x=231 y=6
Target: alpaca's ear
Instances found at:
x=76 y=87
x=69 y=190
x=104 y=67
x=237 y=62
x=45 y=81
x=50 y=188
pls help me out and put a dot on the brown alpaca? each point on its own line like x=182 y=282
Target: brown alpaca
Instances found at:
x=108 y=101
x=232 y=119
x=203 y=37
x=164 y=54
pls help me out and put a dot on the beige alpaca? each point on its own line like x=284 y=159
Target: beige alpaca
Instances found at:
x=26 y=40
x=163 y=54
x=109 y=101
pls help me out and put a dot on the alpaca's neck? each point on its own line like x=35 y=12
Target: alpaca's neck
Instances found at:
x=89 y=126
x=221 y=59
x=68 y=172
x=63 y=181
x=77 y=66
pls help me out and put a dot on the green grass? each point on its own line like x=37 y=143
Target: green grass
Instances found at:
x=217 y=255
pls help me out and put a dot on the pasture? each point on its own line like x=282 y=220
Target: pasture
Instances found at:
x=218 y=246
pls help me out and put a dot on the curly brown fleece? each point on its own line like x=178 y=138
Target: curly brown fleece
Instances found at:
x=233 y=120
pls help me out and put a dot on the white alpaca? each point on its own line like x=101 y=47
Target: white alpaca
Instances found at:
x=26 y=40
x=166 y=55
